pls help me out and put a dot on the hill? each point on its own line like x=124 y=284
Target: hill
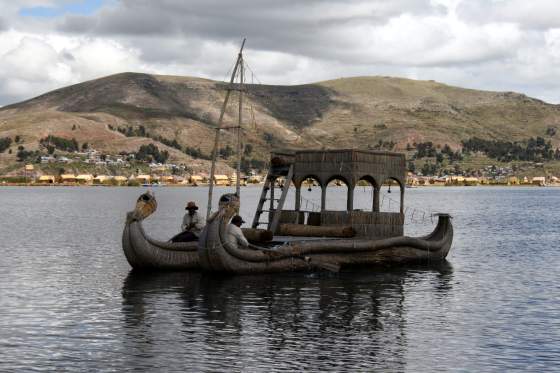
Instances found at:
x=119 y=113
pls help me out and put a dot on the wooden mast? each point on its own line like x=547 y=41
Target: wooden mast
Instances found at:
x=218 y=130
x=239 y=147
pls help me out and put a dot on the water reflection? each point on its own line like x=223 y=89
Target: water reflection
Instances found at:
x=294 y=321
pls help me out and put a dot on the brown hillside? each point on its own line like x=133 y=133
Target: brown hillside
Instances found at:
x=352 y=112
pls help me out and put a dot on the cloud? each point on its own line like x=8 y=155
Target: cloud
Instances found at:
x=35 y=64
x=534 y=14
x=485 y=44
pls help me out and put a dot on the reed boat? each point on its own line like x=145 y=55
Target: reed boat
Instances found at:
x=144 y=252
x=308 y=240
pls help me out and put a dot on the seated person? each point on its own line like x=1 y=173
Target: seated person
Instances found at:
x=192 y=225
x=234 y=234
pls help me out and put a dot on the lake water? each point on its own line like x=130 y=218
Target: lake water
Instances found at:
x=68 y=301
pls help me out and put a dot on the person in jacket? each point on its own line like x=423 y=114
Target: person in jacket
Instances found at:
x=234 y=234
x=192 y=225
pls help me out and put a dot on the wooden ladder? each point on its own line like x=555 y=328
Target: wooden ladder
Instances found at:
x=272 y=224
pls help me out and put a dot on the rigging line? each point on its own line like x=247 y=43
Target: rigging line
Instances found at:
x=253 y=75
x=225 y=79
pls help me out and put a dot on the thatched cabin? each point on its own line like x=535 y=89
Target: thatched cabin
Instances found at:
x=101 y=179
x=167 y=179
x=351 y=167
x=67 y=179
x=84 y=179
x=144 y=179
x=197 y=180
x=538 y=180
x=120 y=180
x=46 y=179
x=233 y=180
x=221 y=180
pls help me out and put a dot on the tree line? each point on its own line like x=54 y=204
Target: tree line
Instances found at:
x=533 y=149
x=224 y=152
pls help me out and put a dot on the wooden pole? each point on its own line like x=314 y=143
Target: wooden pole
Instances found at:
x=350 y=198
x=218 y=130
x=376 y=191
x=298 y=198
x=239 y=147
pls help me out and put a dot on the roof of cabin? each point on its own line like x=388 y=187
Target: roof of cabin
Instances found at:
x=349 y=165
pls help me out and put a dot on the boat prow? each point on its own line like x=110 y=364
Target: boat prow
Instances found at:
x=144 y=252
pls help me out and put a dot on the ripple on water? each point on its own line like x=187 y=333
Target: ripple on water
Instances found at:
x=69 y=303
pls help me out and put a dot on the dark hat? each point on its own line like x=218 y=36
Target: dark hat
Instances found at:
x=191 y=206
x=237 y=220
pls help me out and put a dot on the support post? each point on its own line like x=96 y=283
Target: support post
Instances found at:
x=239 y=147
x=350 y=198
x=218 y=130
x=376 y=191
x=271 y=209
x=402 y=199
x=323 y=198
x=298 y=198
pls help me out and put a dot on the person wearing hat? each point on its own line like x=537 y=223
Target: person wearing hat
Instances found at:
x=192 y=222
x=234 y=234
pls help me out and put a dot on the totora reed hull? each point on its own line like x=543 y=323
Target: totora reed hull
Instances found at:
x=146 y=253
x=218 y=255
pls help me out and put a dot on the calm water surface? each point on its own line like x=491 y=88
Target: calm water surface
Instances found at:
x=69 y=302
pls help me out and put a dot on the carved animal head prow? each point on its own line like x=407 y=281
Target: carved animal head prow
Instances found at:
x=228 y=205
x=146 y=205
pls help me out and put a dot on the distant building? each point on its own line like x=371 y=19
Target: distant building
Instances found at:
x=198 y=180
x=120 y=180
x=539 y=180
x=84 y=179
x=67 y=179
x=167 y=179
x=47 y=159
x=144 y=179
x=101 y=179
x=46 y=179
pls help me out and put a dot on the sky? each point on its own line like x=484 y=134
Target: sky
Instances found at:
x=498 y=45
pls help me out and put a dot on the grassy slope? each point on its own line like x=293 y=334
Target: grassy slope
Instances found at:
x=352 y=112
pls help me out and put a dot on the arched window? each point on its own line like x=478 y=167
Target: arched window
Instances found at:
x=391 y=196
x=281 y=183
x=310 y=194
x=336 y=194
x=364 y=193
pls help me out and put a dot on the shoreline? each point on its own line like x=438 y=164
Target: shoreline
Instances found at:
x=257 y=184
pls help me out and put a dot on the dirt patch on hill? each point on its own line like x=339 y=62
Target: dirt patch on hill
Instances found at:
x=298 y=106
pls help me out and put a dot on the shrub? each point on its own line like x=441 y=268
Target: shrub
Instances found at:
x=5 y=144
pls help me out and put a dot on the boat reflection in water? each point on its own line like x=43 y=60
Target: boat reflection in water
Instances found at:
x=350 y=320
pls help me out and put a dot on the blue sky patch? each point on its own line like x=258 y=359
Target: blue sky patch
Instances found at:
x=81 y=7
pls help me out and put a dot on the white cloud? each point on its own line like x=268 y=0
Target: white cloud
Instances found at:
x=486 y=44
x=32 y=64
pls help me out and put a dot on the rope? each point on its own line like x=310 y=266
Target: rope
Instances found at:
x=314 y=206
x=253 y=75
x=412 y=215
